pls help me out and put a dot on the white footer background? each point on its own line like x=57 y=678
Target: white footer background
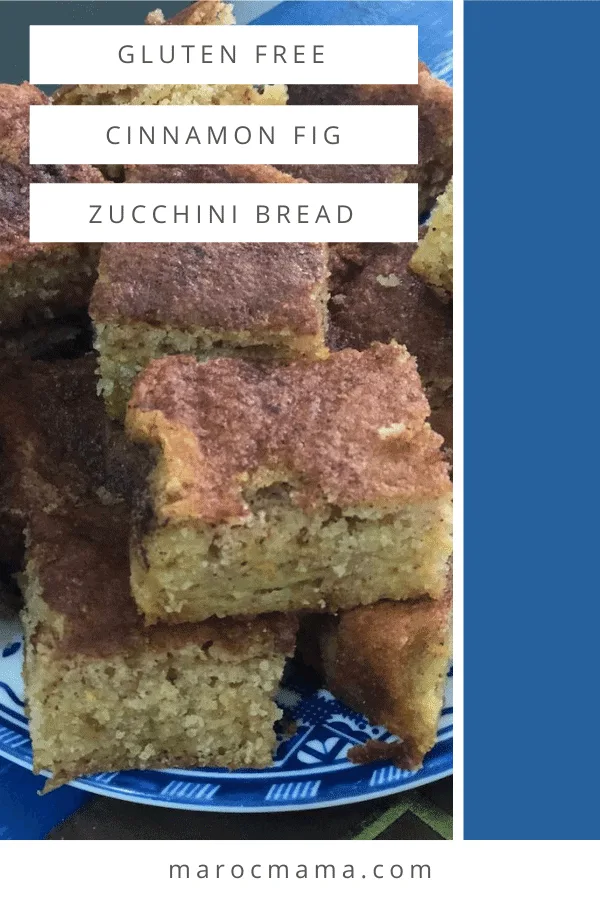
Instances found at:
x=481 y=869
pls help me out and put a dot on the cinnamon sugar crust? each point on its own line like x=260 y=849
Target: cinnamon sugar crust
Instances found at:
x=223 y=287
x=389 y=662
x=323 y=424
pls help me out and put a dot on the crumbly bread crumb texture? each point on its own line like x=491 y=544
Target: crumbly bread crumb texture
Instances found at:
x=433 y=258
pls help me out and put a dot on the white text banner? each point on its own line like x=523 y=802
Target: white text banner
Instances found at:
x=375 y=135
x=154 y=213
x=214 y=54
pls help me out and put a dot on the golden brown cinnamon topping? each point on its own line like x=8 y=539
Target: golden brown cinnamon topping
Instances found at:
x=226 y=287
x=349 y=429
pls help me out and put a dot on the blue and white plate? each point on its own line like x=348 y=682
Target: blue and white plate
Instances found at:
x=310 y=769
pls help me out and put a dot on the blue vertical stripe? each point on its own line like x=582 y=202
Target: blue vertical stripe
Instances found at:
x=532 y=610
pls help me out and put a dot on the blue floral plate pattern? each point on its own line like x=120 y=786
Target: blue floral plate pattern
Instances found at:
x=310 y=769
